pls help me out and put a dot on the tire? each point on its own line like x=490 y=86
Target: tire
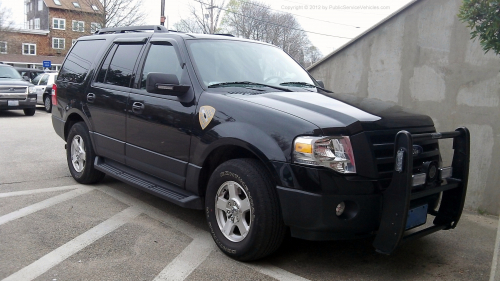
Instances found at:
x=47 y=102
x=80 y=155
x=29 y=111
x=243 y=211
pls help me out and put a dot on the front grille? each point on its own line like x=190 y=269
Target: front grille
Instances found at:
x=13 y=90
x=13 y=93
x=382 y=143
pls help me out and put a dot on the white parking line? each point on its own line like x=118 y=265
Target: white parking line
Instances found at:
x=197 y=251
x=495 y=275
x=187 y=261
x=275 y=272
x=44 y=204
x=35 y=191
x=55 y=257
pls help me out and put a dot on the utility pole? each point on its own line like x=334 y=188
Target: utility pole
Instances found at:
x=211 y=15
x=162 y=12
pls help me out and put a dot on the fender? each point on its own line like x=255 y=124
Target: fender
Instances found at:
x=240 y=134
x=243 y=135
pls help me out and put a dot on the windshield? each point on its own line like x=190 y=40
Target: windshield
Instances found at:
x=9 y=72
x=223 y=61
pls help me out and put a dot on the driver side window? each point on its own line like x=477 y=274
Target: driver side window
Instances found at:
x=163 y=59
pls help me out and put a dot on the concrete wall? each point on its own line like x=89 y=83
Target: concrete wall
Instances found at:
x=423 y=58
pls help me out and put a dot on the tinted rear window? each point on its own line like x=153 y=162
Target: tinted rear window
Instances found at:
x=80 y=59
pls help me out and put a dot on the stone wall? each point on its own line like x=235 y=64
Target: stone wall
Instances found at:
x=422 y=58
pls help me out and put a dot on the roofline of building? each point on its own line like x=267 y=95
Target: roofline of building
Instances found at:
x=31 y=31
x=363 y=34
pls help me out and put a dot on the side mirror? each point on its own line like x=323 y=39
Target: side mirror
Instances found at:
x=321 y=84
x=26 y=78
x=164 y=84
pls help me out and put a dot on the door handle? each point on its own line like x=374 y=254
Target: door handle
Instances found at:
x=137 y=107
x=90 y=97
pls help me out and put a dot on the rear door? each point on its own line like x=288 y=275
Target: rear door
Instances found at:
x=158 y=126
x=108 y=95
x=40 y=87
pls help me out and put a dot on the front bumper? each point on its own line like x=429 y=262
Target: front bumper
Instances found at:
x=29 y=102
x=309 y=196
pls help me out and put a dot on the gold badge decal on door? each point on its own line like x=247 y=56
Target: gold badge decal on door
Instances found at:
x=205 y=115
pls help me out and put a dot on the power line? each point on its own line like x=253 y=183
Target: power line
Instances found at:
x=298 y=29
x=298 y=15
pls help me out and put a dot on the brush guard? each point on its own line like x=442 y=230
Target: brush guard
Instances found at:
x=398 y=196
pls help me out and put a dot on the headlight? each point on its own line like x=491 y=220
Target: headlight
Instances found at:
x=31 y=90
x=332 y=152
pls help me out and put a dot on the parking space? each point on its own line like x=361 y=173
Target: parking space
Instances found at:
x=52 y=228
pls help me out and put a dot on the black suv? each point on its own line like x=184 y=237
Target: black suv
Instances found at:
x=239 y=129
x=15 y=92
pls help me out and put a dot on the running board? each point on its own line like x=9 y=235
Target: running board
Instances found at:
x=148 y=183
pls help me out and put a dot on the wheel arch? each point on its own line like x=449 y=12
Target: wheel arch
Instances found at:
x=227 y=150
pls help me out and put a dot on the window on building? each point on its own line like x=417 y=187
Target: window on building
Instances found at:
x=31 y=24
x=37 y=23
x=40 y=5
x=57 y=2
x=76 y=4
x=58 y=43
x=58 y=23
x=29 y=49
x=95 y=8
x=3 y=47
x=78 y=26
x=94 y=26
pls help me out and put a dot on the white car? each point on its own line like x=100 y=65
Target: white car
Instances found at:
x=43 y=87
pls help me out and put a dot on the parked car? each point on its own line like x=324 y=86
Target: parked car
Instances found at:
x=240 y=130
x=29 y=74
x=15 y=92
x=43 y=87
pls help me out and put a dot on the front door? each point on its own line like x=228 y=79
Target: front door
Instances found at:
x=158 y=126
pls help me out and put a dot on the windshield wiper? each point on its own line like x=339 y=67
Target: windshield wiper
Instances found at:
x=248 y=83
x=303 y=84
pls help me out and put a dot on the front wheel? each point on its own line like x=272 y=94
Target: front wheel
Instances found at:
x=47 y=102
x=243 y=211
x=80 y=155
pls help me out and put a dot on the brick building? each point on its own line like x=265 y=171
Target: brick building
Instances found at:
x=51 y=27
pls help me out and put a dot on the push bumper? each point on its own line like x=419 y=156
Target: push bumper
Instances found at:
x=398 y=197
x=311 y=213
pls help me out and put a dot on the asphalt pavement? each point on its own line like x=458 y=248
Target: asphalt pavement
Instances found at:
x=52 y=228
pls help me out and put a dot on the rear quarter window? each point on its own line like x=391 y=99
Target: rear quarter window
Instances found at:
x=79 y=60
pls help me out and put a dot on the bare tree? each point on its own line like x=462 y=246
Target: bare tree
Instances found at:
x=6 y=22
x=256 y=21
x=118 y=12
x=204 y=17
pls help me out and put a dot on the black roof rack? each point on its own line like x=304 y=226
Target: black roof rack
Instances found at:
x=224 y=34
x=124 y=29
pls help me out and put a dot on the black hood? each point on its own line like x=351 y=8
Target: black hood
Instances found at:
x=331 y=111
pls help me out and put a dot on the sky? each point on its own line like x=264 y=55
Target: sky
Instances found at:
x=328 y=23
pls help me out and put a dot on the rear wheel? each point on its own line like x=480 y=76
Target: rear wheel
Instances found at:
x=80 y=155
x=47 y=102
x=29 y=111
x=243 y=211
